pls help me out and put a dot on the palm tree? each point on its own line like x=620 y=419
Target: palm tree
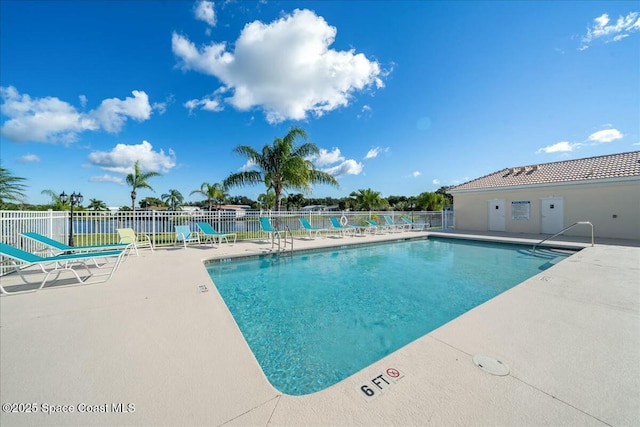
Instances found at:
x=268 y=200
x=11 y=187
x=214 y=193
x=56 y=204
x=97 y=205
x=281 y=165
x=369 y=199
x=136 y=180
x=174 y=199
x=431 y=201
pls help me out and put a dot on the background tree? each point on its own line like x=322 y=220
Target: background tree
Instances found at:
x=151 y=202
x=294 y=201
x=137 y=180
x=448 y=197
x=96 y=205
x=11 y=188
x=214 y=193
x=281 y=165
x=173 y=199
x=267 y=200
x=369 y=200
x=430 y=201
x=55 y=204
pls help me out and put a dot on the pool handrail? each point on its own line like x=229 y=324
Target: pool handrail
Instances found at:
x=563 y=230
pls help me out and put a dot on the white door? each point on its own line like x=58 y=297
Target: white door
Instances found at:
x=497 y=217
x=551 y=215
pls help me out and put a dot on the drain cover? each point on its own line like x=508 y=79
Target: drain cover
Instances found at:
x=491 y=365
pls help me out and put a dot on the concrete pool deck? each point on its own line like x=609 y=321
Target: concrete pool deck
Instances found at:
x=150 y=338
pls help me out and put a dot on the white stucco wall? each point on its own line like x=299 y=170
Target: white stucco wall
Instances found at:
x=613 y=207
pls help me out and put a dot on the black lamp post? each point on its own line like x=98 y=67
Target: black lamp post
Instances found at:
x=74 y=200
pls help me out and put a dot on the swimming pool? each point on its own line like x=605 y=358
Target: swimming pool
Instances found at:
x=313 y=319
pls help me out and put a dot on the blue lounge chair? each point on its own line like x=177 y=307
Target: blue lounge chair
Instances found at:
x=56 y=248
x=311 y=229
x=23 y=260
x=343 y=229
x=208 y=233
x=184 y=235
x=265 y=225
x=374 y=227
x=392 y=225
x=415 y=225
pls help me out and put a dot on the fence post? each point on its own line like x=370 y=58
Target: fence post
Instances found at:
x=153 y=225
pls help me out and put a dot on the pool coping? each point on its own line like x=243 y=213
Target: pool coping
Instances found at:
x=186 y=362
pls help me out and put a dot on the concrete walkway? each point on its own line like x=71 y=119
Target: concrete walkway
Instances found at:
x=150 y=348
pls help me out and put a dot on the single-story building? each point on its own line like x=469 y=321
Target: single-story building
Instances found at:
x=546 y=198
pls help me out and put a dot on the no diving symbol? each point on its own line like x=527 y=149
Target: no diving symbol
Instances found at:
x=393 y=373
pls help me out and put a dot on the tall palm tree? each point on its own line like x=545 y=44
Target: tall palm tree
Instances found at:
x=369 y=199
x=11 y=187
x=173 y=199
x=281 y=165
x=214 y=193
x=137 y=179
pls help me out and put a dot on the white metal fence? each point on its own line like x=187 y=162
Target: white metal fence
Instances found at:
x=94 y=228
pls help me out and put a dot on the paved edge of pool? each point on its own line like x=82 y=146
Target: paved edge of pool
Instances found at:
x=159 y=336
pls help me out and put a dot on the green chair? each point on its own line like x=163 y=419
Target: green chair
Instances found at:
x=139 y=240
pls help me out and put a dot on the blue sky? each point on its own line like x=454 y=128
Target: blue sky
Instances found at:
x=401 y=97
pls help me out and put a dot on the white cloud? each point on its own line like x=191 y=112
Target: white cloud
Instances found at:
x=373 y=153
x=559 y=147
x=286 y=67
x=608 y=32
x=113 y=112
x=606 y=135
x=107 y=178
x=206 y=103
x=83 y=100
x=327 y=157
x=51 y=120
x=161 y=107
x=348 y=167
x=204 y=11
x=29 y=158
x=247 y=166
x=436 y=182
x=122 y=157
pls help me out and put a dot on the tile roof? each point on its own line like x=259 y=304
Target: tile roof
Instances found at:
x=592 y=168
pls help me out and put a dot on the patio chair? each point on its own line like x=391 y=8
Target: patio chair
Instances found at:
x=139 y=240
x=184 y=235
x=415 y=225
x=311 y=229
x=393 y=226
x=376 y=228
x=343 y=229
x=265 y=225
x=208 y=233
x=56 y=248
x=22 y=260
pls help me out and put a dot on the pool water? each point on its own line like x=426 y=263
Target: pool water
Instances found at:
x=313 y=319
